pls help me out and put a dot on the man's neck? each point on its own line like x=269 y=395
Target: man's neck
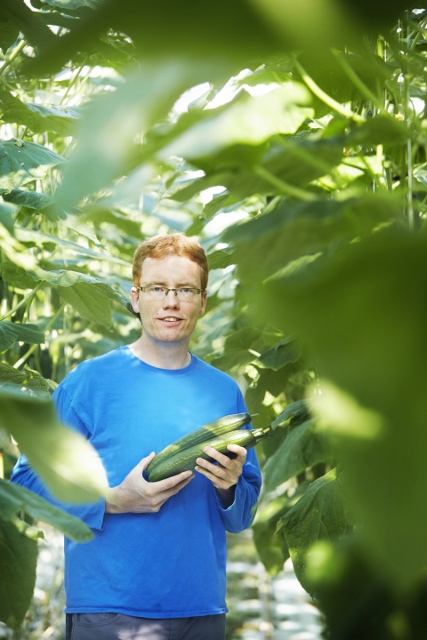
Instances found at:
x=163 y=356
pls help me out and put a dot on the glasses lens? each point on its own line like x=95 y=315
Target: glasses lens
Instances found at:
x=185 y=294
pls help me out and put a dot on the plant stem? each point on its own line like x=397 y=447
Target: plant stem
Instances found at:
x=13 y=55
x=33 y=347
x=324 y=97
x=73 y=82
x=24 y=300
x=284 y=187
x=350 y=73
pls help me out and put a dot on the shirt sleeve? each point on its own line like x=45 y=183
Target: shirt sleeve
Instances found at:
x=23 y=474
x=240 y=514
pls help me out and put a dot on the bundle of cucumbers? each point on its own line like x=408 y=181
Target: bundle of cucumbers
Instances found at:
x=182 y=454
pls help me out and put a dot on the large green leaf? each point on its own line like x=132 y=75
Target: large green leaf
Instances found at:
x=303 y=447
x=246 y=121
x=167 y=29
x=30 y=199
x=64 y=459
x=320 y=514
x=364 y=322
x=38 y=237
x=293 y=229
x=14 y=499
x=18 y=560
x=39 y=118
x=295 y=161
x=89 y=297
x=317 y=26
x=89 y=301
x=23 y=158
x=111 y=123
x=10 y=332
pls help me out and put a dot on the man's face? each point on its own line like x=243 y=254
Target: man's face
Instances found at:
x=169 y=319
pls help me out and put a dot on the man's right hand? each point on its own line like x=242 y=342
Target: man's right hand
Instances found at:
x=136 y=495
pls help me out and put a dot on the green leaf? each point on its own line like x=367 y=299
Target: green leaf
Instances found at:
x=39 y=237
x=39 y=118
x=220 y=259
x=7 y=335
x=271 y=548
x=106 y=140
x=284 y=352
x=363 y=321
x=14 y=499
x=237 y=348
x=10 y=375
x=15 y=251
x=303 y=447
x=7 y=216
x=291 y=230
x=381 y=129
x=71 y=5
x=195 y=31
x=270 y=545
x=22 y=158
x=295 y=411
x=30 y=199
x=247 y=121
x=90 y=301
x=89 y=297
x=329 y=75
x=72 y=470
x=9 y=33
x=18 y=560
x=10 y=332
x=269 y=380
x=320 y=514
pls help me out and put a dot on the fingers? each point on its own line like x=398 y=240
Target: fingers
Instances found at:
x=238 y=458
x=174 y=481
x=225 y=474
x=146 y=461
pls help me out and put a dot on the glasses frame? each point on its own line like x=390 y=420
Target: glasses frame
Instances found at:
x=167 y=289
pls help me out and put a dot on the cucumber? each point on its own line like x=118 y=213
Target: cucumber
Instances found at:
x=186 y=458
x=202 y=434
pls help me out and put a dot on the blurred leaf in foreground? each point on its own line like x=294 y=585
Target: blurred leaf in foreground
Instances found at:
x=362 y=317
x=66 y=461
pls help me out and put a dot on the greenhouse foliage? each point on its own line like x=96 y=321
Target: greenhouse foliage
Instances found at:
x=291 y=142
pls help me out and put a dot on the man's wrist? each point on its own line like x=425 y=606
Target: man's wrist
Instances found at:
x=112 y=503
x=227 y=496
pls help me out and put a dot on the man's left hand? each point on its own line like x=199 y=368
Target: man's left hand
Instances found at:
x=226 y=473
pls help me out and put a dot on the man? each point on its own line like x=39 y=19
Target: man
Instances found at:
x=156 y=567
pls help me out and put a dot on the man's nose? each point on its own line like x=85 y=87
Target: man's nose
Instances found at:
x=171 y=298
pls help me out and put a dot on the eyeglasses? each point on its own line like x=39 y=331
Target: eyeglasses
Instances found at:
x=185 y=294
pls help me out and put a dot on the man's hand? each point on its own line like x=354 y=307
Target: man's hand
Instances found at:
x=136 y=495
x=224 y=475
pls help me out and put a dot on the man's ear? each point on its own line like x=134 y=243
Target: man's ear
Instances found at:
x=204 y=301
x=134 y=299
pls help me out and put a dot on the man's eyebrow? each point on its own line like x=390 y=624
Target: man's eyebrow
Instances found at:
x=178 y=286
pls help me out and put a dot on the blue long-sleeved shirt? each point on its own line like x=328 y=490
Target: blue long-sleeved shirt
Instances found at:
x=157 y=565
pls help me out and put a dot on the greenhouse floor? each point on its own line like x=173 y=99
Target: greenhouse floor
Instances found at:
x=262 y=607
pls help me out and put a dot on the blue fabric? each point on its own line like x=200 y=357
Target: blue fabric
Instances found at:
x=168 y=564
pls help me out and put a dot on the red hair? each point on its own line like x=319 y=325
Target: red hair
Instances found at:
x=176 y=244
